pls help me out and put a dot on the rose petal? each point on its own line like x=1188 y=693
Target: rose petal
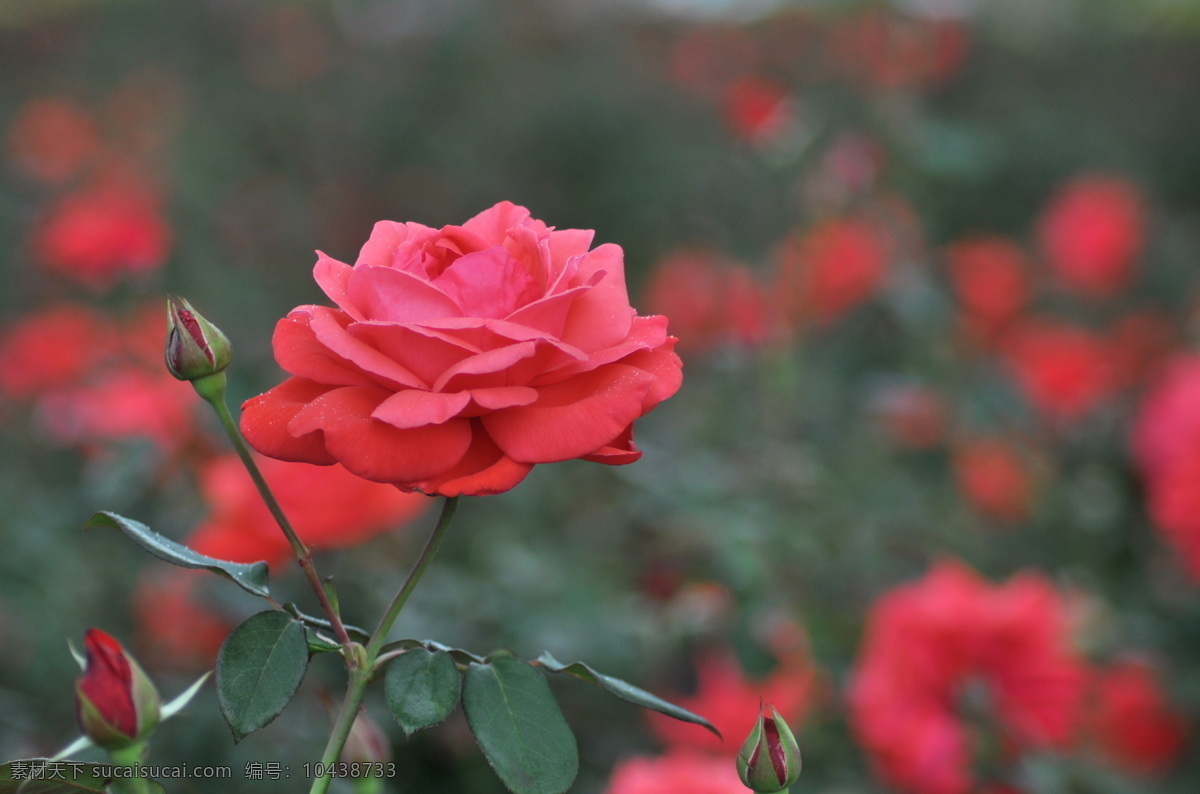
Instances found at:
x=327 y=326
x=384 y=293
x=300 y=353
x=572 y=418
x=483 y=470
x=567 y=244
x=548 y=315
x=376 y=450
x=489 y=283
x=415 y=408
x=493 y=223
x=619 y=452
x=665 y=366
x=265 y=421
x=332 y=277
x=426 y=353
x=498 y=397
x=602 y=316
x=645 y=333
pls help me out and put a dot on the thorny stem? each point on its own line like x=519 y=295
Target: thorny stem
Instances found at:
x=212 y=389
x=361 y=674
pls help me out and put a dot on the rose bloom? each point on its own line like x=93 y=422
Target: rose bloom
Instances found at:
x=730 y=701
x=1129 y=723
x=1063 y=370
x=990 y=277
x=680 y=770
x=329 y=508
x=1091 y=232
x=104 y=231
x=53 y=347
x=930 y=650
x=458 y=358
x=831 y=269
x=993 y=478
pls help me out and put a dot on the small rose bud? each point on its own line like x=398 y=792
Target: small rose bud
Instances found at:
x=770 y=758
x=195 y=347
x=366 y=746
x=115 y=702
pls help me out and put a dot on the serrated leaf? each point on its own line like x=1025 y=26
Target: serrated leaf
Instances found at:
x=259 y=668
x=519 y=727
x=421 y=688
x=624 y=690
x=44 y=776
x=251 y=577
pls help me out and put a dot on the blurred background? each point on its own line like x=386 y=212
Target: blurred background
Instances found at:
x=931 y=486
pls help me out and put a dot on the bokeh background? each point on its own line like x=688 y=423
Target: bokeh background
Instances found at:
x=932 y=484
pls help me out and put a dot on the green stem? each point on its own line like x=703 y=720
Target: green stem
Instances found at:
x=132 y=756
x=361 y=674
x=212 y=389
x=379 y=637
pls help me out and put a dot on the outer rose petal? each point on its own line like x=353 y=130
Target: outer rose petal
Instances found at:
x=375 y=450
x=384 y=293
x=414 y=408
x=573 y=418
x=483 y=470
x=299 y=352
x=265 y=420
x=332 y=277
x=601 y=317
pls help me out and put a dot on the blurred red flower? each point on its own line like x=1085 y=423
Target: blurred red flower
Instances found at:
x=730 y=701
x=175 y=629
x=830 y=269
x=896 y=52
x=710 y=302
x=679 y=770
x=1091 y=232
x=119 y=402
x=993 y=478
x=990 y=277
x=53 y=347
x=759 y=111
x=1166 y=444
x=949 y=655
x=329 y=508
x=104 y=231
x=1064 y=371
x=52 y=138
x=1129 y=722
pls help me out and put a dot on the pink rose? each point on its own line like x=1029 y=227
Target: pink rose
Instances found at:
x=459 y=357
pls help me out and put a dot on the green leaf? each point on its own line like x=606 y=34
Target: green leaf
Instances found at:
x=519 y=727
x=421 y=688
x=259 y=668
x=251 y=577
x=43 y=776
x=624 y=690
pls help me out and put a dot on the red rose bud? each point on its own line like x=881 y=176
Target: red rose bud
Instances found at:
x=115 y=702
x=195 y=347
x=770 y=758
